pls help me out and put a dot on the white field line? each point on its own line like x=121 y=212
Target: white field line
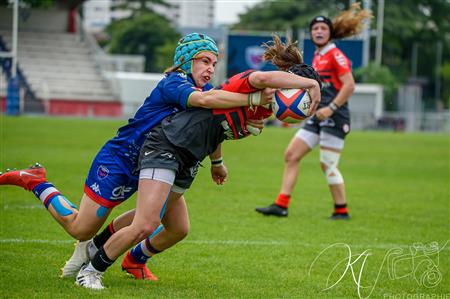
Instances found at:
x=232 y=243
x=37 y=206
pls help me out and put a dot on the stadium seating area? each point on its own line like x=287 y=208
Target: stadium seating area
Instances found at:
x=63 y=74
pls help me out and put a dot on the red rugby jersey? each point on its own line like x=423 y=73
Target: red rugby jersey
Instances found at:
x=236 y=117
x=330 y=63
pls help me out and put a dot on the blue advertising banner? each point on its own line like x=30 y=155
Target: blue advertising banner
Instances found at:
x=245 y=52
x=353 y=49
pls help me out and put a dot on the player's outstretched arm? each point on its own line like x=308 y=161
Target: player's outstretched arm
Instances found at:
x=225 y=99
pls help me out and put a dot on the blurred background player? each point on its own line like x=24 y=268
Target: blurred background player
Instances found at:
x=331 y=123
x=112 y=177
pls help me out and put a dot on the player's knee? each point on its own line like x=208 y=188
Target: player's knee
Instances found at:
x=182 y=231
x=291 y=156
x=82 y=234
x=328 y=162
x=143 y=231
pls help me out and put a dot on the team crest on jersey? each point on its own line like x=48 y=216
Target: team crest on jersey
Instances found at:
x=102 y=172
x=253 y=57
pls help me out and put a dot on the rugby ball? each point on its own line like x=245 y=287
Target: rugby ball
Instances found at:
x=291 y=105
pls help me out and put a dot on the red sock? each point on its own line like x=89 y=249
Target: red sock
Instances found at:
x=341 y=208
x=283 y=200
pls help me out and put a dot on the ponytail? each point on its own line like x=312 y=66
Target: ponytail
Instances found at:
x=282 y=55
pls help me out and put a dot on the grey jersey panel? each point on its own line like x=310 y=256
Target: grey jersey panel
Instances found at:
x=196 y=130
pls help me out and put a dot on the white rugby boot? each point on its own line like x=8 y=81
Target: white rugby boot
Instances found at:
x=89 y=278
x=79 y=258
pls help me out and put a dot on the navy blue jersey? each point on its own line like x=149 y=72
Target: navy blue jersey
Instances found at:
x=170 y=96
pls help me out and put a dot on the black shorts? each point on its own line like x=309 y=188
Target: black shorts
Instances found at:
x=158 y=152
x=335 y=125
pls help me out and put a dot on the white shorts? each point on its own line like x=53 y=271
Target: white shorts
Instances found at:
x=324 y=139
x=162 y=175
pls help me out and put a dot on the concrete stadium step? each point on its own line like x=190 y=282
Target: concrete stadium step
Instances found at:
x=59 y=66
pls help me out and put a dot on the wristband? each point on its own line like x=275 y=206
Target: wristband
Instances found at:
x=333 y=106
x=254 y=99
x=217 y=162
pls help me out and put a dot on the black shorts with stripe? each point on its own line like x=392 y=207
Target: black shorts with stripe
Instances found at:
x=158 y=152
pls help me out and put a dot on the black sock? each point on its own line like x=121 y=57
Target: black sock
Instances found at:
x=101 y=261
x=100 y=239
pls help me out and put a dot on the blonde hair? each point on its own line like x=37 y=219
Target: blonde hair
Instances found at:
x=282 y=55
x=350 y=21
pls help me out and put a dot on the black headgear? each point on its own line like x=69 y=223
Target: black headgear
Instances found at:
x=322 y=19
x=306 y=71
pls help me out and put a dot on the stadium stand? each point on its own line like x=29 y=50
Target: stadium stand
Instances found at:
x=62 y=74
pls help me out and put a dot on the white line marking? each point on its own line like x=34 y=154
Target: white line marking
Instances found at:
x=22 y=207
x=232 y=243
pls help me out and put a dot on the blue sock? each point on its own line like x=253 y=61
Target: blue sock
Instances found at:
x=144 y=250
x=48 y=194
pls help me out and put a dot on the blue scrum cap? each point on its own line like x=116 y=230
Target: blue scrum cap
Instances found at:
x=189 y=46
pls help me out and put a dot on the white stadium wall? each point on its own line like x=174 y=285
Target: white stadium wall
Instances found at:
x=133 y=88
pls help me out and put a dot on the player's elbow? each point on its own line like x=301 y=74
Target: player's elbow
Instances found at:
x=260 y=79
x=202 y=100
x=350 y=86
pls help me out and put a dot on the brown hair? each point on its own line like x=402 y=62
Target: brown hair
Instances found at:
x=175 y=68
x=350 y=21
x=282 y=55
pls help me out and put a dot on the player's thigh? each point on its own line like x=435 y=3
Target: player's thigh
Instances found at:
x=300 y=145
x=152 y=195
x=91 y=216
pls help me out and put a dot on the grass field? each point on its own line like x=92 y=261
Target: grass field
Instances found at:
x=398 y=193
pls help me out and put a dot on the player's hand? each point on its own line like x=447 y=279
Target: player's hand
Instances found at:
x=219 y=174
x=324 y=113
x=314 y=94
x=254 y=126
x=267 y=96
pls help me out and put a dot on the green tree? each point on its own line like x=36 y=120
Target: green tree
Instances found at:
x=283 y=15
x=445 y=72
x=32 y=3
x=374 y=73
x=142 y=34
x=164 y=55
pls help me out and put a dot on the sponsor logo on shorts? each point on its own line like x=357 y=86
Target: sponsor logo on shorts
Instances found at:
x=327 y=123
x=346 y=128
x=95 y=188
x=102 y=172
x=119 y=193
x=148 y=153
x=194 y=169
x=167 y=155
